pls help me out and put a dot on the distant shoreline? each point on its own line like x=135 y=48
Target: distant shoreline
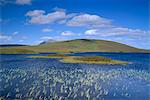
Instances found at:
x=73 y=53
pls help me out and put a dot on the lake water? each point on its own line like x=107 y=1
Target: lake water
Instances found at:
x=29 y=78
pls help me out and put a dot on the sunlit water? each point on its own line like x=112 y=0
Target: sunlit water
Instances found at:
x=28 y=78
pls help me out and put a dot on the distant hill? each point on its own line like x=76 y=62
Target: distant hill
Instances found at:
x=48 y=41
x=11 y=45
x=80 y=45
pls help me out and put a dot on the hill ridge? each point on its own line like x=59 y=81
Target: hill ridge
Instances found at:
x=79 y=45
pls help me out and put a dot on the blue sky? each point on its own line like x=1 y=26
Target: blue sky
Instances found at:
x=34 y=21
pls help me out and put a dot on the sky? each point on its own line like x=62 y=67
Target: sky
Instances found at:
x=33 y=21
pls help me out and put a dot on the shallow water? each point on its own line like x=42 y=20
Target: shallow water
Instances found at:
x=29 y=78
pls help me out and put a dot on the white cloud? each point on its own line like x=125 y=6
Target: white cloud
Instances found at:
x=62 y=21
x=35 y=13
x=38 y=42
x=91 y=32
x=47 y=30
x=21 y=40
x=4 y=38
x=72 y=19
x=116 y=31
x=67 y=33
x=12 y=38
x=15 y=33
x=46 y=38
x=23 y=2
x=40 y=16
x=89 y=21
x=97 y=27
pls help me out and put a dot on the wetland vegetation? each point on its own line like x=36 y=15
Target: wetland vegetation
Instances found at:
x=82 y=59
x=29 y=78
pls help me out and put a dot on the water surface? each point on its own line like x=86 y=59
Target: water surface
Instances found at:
x=30 y=78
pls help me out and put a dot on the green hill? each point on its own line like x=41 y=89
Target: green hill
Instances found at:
x=78 y=45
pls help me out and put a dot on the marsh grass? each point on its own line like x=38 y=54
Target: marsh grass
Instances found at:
x=57 y=55
x=82 y=59
x=92 y=58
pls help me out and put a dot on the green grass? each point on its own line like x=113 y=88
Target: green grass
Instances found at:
x=82 y=59
x=15 y=51
x=50 y=56
x=91 y=60
x=73 y=46
x=57 y=55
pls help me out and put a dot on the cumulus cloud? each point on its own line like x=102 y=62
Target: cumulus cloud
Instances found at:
x=4 y=38
x=47 y=30
x=40 y=16
x=21 y=40
x=23 y=2
x=72 y=19
x=49 y=39
x=15 y=33
x=89 y=21
x=91 y=32
x=116 y=31
x=67 y=33
x=35 y=13
x=46 y=38
x=14 y=37
x=96 y=26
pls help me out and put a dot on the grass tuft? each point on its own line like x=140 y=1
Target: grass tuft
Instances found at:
x=92 y=58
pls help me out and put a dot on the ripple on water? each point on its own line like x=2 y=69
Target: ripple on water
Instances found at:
x=73 y=83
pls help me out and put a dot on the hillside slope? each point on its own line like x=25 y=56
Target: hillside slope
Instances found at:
x=11 y=45
x=78 y=45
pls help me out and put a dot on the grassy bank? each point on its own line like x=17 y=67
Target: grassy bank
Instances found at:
x=50 y=56
x=16 y=51
x=91 y=60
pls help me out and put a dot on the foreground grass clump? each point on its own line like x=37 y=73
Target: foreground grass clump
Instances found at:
x=91 y=60
x=57 y=55
x=82 y=59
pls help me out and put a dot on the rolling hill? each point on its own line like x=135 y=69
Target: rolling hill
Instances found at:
x=78 y=45
x=11 y=45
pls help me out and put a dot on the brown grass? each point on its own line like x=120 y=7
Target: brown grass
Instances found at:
x=92 y=58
